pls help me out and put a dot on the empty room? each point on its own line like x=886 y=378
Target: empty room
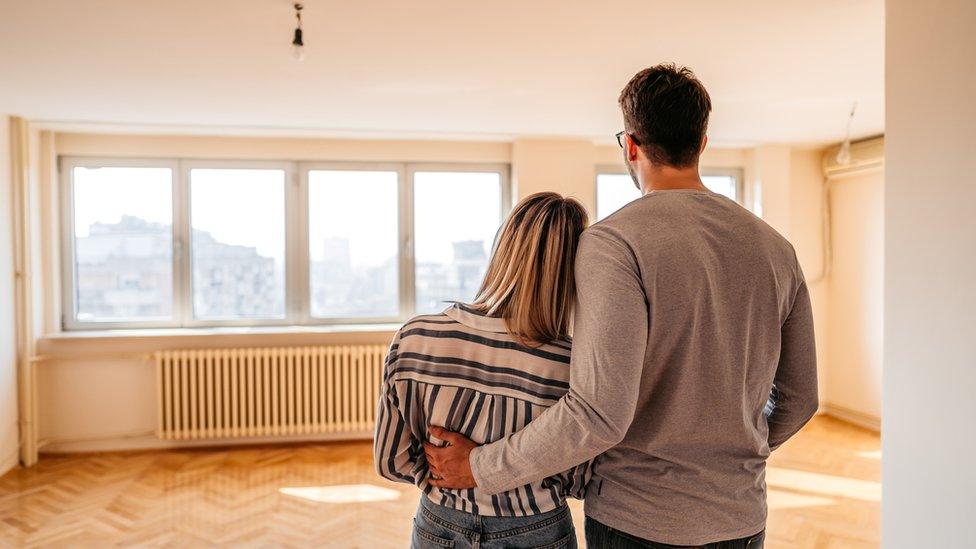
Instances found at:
x=507 y=274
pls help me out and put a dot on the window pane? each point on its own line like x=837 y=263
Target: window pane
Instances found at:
x=721 y=184
x=123 y=230
x=456 y=216
x=353 y=243
x=238 y=222
x=614 y=191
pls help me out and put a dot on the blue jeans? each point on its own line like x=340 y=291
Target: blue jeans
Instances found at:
x=436 y=527
x=601 y=536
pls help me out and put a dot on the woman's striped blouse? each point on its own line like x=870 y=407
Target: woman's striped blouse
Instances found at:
x=461 y=370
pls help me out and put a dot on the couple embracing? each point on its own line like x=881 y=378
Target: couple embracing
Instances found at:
x=691 y=359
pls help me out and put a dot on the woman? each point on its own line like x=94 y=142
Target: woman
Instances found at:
x=485 y=370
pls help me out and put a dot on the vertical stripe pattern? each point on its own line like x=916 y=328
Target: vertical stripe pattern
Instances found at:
x=462 y=370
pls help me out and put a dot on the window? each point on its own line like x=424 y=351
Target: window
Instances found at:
x=456 y=215
x=353 y=243
x=198 y=243
x=615 y=189
x=723 y=184
x=237 y=223
x=121 y=235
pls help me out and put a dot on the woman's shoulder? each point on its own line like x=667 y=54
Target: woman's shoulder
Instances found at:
x=428 y=320
x=425 y=325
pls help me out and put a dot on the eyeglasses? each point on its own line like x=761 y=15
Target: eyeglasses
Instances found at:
x=619 y=135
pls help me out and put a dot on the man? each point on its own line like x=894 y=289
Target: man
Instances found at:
x=689 y=311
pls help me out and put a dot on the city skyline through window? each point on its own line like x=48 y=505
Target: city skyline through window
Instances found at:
x=227 y=259
x=353 y=241
x=123 y=243
x=238 y=243
x=456 y=216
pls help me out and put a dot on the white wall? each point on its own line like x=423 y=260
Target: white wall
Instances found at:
x=804 y=218
x=772 y=176
x=8 y=353
x=856 y=298
x=562 y=165
x=930 y=269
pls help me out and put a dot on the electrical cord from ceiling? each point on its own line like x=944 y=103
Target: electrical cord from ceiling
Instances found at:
x=827 y=247
x=844 y=153
x=843 y=158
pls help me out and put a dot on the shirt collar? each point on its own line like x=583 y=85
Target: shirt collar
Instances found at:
x=476 y=319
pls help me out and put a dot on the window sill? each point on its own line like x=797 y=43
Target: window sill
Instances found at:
x=125 y=343
x=223 y=330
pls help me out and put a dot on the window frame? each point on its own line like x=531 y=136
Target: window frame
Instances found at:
x=616 y=169
x=186 y=240
x=297 y=256
x=504 y=207
x=68 y=256
x=404 y=233
x=736 y=173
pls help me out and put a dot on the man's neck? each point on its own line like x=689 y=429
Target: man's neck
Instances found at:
x=669 y=179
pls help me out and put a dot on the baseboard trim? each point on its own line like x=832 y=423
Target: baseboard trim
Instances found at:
x=860 y=419
x=150 y=442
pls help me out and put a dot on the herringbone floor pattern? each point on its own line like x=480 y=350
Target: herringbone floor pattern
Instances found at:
x=824 y=493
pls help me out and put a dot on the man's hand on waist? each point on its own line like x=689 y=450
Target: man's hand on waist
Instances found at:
x=449 y=465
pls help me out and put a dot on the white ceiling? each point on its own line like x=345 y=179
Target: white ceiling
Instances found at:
x=777 y=71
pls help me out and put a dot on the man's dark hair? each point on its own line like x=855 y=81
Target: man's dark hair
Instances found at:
x=666 y=109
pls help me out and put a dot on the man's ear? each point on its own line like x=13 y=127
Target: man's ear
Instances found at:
x=633 y=151
x=704 y=142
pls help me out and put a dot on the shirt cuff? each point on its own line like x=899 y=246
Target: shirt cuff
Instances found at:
x=483 y=461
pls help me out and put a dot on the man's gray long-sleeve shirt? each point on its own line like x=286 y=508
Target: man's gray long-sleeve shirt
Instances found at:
x=689 y=309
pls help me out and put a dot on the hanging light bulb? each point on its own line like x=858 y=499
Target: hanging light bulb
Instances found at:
x=297 y=43
x=844 y=154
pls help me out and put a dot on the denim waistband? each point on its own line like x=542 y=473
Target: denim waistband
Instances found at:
x=489 y=528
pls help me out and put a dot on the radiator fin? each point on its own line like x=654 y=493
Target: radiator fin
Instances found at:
x=259 y=392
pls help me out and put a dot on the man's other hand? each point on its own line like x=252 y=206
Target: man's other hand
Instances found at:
x=449 y=465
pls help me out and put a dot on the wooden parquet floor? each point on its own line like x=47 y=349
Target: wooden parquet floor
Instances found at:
x=824 y=485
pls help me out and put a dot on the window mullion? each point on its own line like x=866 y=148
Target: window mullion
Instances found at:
x=408 y=287
x=296 y=261
x=68 y=275
x=183 y=285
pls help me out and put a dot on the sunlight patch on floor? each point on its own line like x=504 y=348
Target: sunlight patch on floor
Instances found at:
x=778 y=499
x=346 y=493
x=870 y=454
x=822 y=484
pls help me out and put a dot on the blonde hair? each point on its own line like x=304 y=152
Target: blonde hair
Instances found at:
x=530 y=281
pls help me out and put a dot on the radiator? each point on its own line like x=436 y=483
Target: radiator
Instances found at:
x=252 y=392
